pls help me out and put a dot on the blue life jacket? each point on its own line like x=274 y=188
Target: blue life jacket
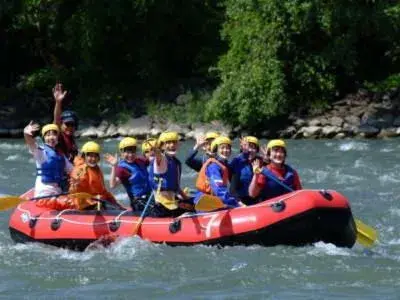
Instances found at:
x=273 y=189
x=138 y=184
x=52 y=170
x=242 y=174
x=170 y=179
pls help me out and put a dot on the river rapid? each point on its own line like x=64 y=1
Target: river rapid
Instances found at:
x=366 y=171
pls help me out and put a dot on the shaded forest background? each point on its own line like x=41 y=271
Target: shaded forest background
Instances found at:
x=245 y=62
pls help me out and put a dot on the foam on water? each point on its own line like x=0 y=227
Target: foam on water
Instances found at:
x=9 y=146
x=353 y=145
x=395 y=211
x=322 y=249
x=389 y=178
x=386 y=150
x=13 y=157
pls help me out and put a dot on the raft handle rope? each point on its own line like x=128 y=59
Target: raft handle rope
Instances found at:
x=186 y=215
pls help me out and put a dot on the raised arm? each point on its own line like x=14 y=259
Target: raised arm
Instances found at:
x=257 y=181
x=59 y=95
x=113 y=161
x=28 y=135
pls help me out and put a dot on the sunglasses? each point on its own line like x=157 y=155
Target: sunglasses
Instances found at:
x=69 y=124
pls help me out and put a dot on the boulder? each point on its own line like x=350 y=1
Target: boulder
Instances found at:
x=340 y=135
x=102 y=129
x=336 y=121
x=352 y=120
x=136 y=127
x=388 y=133
x=367 y=131
x=314 y=122
x=287 y=132
x=311 y=131
x=89 y=132
x=330 y=131
x=384 y=121
x=396 y=122
x=299 y=123
x=199 y=129
x=112 y=131
x=179 y=128
x=349 y=129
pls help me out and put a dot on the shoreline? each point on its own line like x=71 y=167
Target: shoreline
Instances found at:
x=360 y=115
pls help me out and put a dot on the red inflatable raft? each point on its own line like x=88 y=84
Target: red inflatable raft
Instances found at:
x=298 y=218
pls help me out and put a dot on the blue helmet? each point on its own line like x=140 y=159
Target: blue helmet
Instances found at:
x=69 y=116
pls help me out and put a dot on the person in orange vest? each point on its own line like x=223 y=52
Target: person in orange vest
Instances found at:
x=214 y=176
x=275 y=167
x=87 y=176
x=194 y=162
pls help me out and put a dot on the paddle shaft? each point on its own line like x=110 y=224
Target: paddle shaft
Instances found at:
x=48 y=196
x=143 y=214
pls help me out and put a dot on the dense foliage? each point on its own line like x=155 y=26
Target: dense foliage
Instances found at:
x=264 y=58
x=289 y=55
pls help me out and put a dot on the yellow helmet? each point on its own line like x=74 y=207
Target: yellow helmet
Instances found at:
x=127 y=142
x=212 y=135
x=148 y=144
x=49 y=127
x=276 y=143
x=168 y=136
x=91 y=147
x=219 y=141
x=252 y=139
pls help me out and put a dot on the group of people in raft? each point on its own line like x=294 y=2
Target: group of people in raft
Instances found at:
x=250 y=177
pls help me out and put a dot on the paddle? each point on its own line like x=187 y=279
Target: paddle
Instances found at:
x=8 y=202
x=366 y=235
x=209 y=203
x=136 y=229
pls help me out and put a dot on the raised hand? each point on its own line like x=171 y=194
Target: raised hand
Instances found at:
x=110 y=159
x=59 y=93
x=31 y=128
x=263 y=151
x=200 y=142
x=256 y=164
x=244 y=145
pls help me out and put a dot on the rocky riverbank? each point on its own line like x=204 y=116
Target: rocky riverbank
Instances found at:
x=360 y=115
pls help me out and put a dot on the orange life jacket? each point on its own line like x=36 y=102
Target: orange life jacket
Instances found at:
x=203 y=182
x=90 y=180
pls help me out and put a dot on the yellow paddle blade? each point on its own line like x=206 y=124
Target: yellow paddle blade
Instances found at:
x=81 y=195
x=8 y=202
x=366 y=235
x=209 y=203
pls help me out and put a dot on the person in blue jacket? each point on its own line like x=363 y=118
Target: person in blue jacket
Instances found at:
x=242 y=169
x=132 y=172
x=194 y=162
x=213 y=178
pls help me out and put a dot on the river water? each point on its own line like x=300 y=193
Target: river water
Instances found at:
x=367 y=172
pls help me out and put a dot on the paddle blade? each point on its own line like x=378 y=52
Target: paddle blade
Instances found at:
x=209 y=203
x=366 y=235
x=8 y=202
